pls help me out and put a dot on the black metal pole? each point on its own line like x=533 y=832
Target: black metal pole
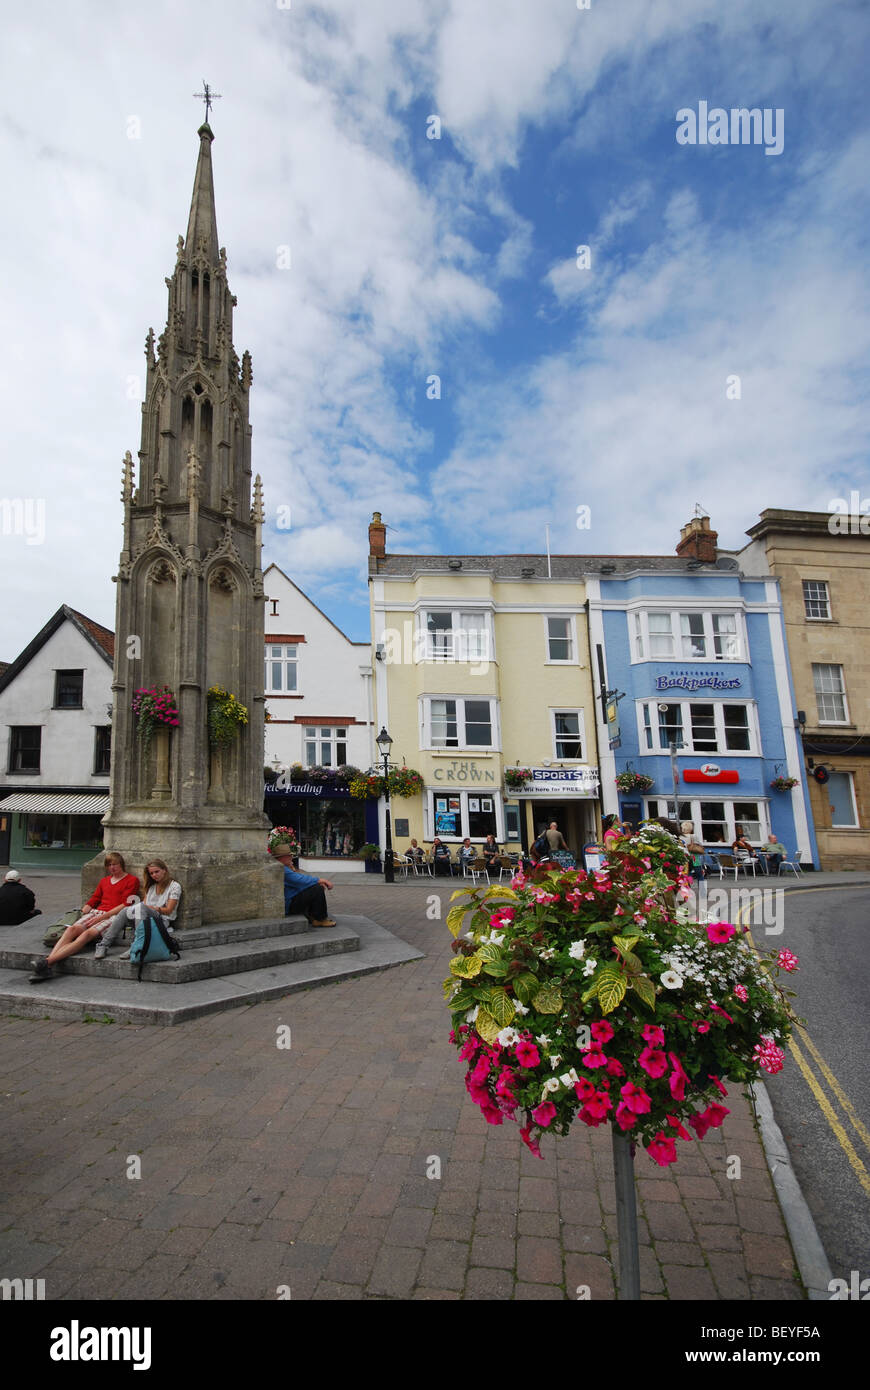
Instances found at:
x=389 y=876
x=626 y=1217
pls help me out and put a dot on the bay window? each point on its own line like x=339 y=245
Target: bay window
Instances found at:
x=695 y=635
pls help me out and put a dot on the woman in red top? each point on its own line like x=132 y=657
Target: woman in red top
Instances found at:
x=111 y=894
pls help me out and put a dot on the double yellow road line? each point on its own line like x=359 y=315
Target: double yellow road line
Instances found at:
x=814 y=1079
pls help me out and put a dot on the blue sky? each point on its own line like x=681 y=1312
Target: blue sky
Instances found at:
x=411 y=256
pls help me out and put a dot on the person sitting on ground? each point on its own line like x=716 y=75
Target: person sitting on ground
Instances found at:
x=441 y=861
x=303 y=893
x=17 y=901
x=162 y=892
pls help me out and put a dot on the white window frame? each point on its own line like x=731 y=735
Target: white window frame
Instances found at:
x=463 y=833
x=319 y=739
x=426 y=743
x=854 y=824
x=816 y=665
x=285 y=661
x=719 y=706
x=641 y=640
x=581 y=734
x=571 y=620
x=731 y=820
x=459 y=640
x=817 y=617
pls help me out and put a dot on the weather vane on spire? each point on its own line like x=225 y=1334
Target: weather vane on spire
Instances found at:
x=208 y=96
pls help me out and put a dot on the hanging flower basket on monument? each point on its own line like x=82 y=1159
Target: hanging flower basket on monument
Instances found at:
x=225 y=717
x=154 y=708
x=596 y=997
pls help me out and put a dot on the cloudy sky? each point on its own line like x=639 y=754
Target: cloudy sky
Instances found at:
x=562 y=385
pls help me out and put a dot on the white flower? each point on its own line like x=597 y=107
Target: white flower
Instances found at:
x=508 y=1037
x=472 y=1014
x=520 y=1008
x=569 y=1077
x=555 y=1060
x=542 y=1039
x=469 y=936
x=577 y=950
x=671 y=980
x=590 y=967
x=551 y=1084
x=547 y=954
x=496 y=938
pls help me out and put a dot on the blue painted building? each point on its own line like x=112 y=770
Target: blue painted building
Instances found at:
x=696 y=649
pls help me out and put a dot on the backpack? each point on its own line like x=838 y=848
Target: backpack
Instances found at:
x=153 y=939
x=56 y=929
x=542 y=846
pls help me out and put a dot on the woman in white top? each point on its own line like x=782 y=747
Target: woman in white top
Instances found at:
x=162 y=892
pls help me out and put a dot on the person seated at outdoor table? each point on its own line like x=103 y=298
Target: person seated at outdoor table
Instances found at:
x=304 y=893
x=740 y=844
x=491 y=851
x=17 y=901
x=467 y=853
x=415 y=852
x=441 y=861
x=774 y=853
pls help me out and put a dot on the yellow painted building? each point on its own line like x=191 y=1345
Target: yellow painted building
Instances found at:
x=822 y=561
x=481 y=664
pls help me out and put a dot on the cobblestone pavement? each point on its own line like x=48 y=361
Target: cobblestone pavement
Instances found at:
x=265 y=1169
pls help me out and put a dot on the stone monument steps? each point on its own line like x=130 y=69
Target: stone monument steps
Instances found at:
x=203 y=961
x=245 y=973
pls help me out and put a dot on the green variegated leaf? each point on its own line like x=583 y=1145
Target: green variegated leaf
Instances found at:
x=495 y=892
x=633 y=963
x=501 y=1006
x=489 y=951
x=456 y=917
x=525 y=986
x=625 y=943
x=461 y=893
x=466 y=967
x=496 y=968
x=548 y=1000
x=611 y=990
x=487 y=1026
x=645 y=989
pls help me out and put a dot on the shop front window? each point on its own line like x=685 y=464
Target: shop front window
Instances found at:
x=324 y=828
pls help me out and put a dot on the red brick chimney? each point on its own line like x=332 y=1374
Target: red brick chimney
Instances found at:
x=697 y=541
x=377 y=535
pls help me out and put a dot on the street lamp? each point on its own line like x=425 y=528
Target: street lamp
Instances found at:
x=385 y=743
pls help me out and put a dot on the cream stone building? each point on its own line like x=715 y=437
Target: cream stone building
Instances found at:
x=822 y=561
x=481 y=666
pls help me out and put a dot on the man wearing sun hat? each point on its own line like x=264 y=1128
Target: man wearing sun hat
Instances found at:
x=17 y=902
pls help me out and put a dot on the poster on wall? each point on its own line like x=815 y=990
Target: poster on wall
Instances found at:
x=441 y=803
x=401 y=828
x=473 y=803
x=445 y=823
x=486 y=803
x=454 y=804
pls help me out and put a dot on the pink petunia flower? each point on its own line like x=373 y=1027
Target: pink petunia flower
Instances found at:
x=635 y=1098
x=723 y=1091
x=468 y=1049
x=674 y=1122
x=653 y=1061
x=716 y=1114
x=625 y=1118
x=654 y=1035
x=481 y=1071
x=678 y=1078
x=544 y=1113
x=527 y=1054
x=584 y=1088
x=615 y=1067
x=594 y=1056
x=718 y=1010
x=530 y=1143
x=492 y=1115
x=699 y=1123
x=602 y=1031
x=701 y=1027
x=662 y=1150
x=720 y=932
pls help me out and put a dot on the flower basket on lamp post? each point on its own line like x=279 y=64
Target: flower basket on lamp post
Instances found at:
x=595 y=997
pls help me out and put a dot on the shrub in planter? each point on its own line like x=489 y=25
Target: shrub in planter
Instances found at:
x=596 y=997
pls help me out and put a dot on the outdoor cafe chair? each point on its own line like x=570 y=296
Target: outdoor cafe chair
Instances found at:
x=794 y=863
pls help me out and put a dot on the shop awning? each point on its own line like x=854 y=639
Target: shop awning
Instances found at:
x=57 y=803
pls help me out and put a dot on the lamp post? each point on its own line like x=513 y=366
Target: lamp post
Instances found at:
x=385 y=743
